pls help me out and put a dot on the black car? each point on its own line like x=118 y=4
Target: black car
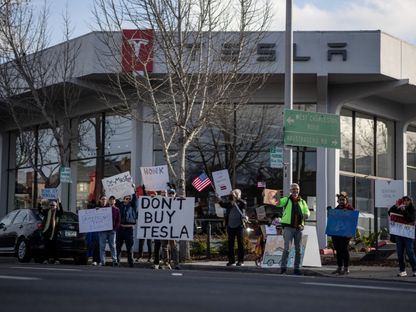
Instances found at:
x=21 y=235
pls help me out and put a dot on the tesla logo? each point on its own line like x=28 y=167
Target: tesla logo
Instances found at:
x=137 y=51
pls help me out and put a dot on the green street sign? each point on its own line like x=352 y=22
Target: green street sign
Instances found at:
x=65 y=175
x=311 y=129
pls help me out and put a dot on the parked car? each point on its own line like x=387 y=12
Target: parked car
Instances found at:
x=21 y=235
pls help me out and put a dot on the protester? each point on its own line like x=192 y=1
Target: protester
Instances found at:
x=93 y=240
x=341 y=243
x=235 y=218
x=50 y=224
x=295 y=211
x=129 y=214
x=405 y=209
x=170 y=252
x=110 y=235
x=158 y=244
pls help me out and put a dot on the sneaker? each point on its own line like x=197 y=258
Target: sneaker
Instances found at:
x=230 y=264
x=94 y=263
x=283 y=271
x=337 y=271
x=402 y=274
x=346 y=271
x=166 y=266
x=101 y=264
x=155 y=266
x=240 y=263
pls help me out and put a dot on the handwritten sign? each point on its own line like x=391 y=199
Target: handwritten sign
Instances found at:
x=95 y=220
x=50 y=193
x=155 y=178
x=119 y=185
x=271 y=197
x=166 y=218
x=400 y=227
x=387 y=192
x=222 y=182
x=273 y=251
x=342 y=222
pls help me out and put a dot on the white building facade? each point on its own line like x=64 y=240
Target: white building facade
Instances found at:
x=366 y=77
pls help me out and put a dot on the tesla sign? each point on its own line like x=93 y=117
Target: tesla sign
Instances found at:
x=137 y=51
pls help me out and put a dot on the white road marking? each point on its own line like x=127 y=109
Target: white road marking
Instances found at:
x=21 y=278
x=177 y=274
x=361 y=287
x=45 y=269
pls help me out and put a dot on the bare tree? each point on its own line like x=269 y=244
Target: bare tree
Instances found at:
x=204 y=52
x=36 y=83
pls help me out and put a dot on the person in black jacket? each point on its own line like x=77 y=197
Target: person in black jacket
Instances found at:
x=234 y=221
x=50 y=224
x=129 y=214
x=404 y=210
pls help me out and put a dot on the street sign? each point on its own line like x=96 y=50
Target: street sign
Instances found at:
x=65 y=175
x=311 y=129
x=276 y=157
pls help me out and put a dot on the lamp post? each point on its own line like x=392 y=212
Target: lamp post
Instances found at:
x=288 y=91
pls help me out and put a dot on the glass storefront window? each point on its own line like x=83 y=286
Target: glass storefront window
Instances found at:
x=23 y=194
x=364 y=203
x=364 y=144
x=385 y=148
x=86 y=183
x=118 y=134
x=90 y=137
x=346 y=153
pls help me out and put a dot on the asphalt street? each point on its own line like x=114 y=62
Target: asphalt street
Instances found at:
x=36 y=287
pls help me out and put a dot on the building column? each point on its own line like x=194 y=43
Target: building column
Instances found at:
x=142 y=145
x=8 y=205
x=73 y=187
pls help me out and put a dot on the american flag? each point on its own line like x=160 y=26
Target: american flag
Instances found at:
x=201 y=182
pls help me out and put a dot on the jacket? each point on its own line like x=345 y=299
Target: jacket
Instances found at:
x=228 y=206
x=128 y=213
x=288 y=215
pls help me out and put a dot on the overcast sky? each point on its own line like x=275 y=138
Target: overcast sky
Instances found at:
x=395 y=17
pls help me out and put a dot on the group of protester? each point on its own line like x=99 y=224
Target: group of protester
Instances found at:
x=295 y=212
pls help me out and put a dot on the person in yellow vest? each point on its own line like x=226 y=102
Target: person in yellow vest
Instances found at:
x=295 y=211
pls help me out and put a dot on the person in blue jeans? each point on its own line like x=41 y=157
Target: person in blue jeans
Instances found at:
x=110 y=235
x=129 y=214
x=405 y=211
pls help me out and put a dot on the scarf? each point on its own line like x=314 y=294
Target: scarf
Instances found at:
x=51 y=222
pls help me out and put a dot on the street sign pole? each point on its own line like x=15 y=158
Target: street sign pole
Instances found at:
x=288 y=157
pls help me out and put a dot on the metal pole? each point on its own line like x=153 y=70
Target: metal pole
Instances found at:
x=287 y=156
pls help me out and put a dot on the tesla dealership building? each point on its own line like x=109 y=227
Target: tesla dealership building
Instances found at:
x=366 y=77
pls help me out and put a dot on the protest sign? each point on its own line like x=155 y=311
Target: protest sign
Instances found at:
x=387 y=192
x=95 y=220
x=271 y=197
x=65 y=175
x=119 y=185
x=400 y=227
x=312 y=256
x=155 y=178
x=222 y=182
x=261 y=213
x=273 y=252
x=342 y=222
x=166 y=218
x=50 y=193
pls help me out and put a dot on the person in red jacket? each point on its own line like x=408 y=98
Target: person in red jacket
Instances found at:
x=341 y=242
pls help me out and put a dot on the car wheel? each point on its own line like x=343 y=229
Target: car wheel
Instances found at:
x=81 y=259
x=22 y=251
x=270 y=262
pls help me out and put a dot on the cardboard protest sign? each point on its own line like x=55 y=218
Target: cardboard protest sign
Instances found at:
x=166 y=218
x=273 y=252
x=271 y=197
x=342 y=222
x=222 y=182
x=155 y=178
x=400 y=227
x=119 y=185
x=50 y=193
x=95 y=220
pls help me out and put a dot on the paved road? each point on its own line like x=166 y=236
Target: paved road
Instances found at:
x=33 y=287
